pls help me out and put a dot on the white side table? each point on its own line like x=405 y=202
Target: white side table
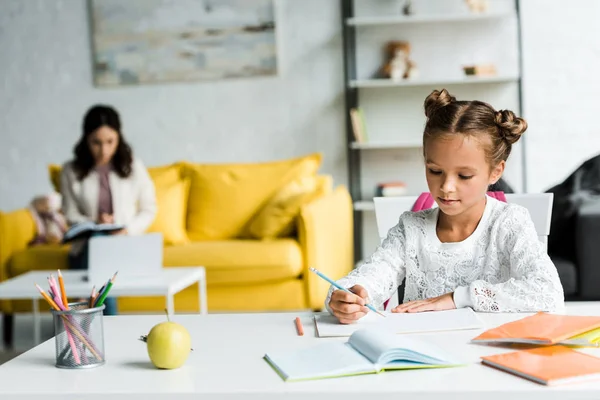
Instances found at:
x=168 y=283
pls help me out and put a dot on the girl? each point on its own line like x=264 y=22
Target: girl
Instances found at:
x=473 y=251
x=105 y=184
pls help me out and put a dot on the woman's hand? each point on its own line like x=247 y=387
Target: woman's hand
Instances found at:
x=348 y=307
x=443 y=302
x=106 y=219
x=120 y=232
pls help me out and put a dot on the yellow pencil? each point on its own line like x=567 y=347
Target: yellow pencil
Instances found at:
x=63 y=294
x=48 y=298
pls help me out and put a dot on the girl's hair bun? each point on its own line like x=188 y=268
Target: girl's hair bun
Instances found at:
x=437 y=100
x=510 y=126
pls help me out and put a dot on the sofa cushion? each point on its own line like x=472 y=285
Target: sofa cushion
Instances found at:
x=224 y=197
x=41 y=257
x=230 y=262
x=278 y=216
x=171 y=198
x=226 y=262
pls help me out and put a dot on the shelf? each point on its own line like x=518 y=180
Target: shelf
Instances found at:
x=383 y=145
x=385 y=83
x=364 y=205
x=421 y=19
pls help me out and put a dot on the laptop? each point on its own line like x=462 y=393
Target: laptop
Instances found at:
x=133 y=256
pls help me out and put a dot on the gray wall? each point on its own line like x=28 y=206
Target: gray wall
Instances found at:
x=46 y=87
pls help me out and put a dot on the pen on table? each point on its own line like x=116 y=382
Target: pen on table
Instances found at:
x=299 y=326
x=369 y=306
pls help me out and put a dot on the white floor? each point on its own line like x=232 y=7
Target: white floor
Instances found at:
x=23 y=335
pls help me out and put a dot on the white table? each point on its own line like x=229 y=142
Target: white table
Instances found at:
x=227 y=364
x=168 y=283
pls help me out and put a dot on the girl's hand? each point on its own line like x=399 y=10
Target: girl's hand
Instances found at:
x=120 y=232
x=348 y=307
x=443 y=302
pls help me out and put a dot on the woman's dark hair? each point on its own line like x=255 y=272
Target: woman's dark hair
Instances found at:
x=96 y=117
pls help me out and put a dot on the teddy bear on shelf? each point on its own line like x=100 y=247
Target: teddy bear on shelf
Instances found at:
x=51 y=225
x=477 y=6
x=399 y=65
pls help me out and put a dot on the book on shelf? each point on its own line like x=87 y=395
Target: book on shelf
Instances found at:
x=367 y=351
x=390 y=189
x=359 y=128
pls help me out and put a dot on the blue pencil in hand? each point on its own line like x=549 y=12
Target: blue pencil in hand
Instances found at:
x=369 y=306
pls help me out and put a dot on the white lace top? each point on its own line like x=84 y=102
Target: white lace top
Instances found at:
x=501 y=267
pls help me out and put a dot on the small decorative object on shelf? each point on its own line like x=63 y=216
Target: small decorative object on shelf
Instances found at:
x=477 y=6
x=407 y=9
x=480 y=70
x=399 y=65
x=390 y=189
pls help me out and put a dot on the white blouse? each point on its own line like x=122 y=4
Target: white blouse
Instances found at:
x=501 y=267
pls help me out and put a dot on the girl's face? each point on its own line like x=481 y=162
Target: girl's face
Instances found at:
x=103 y=144
x=457 y=172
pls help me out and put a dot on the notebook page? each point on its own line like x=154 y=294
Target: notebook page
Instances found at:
x=383 y=347
x=325 y=360
x=463 y=318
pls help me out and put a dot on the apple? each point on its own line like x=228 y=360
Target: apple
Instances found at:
x=169 y=345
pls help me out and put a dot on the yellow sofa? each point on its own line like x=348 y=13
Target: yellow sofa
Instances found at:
x=256 y=228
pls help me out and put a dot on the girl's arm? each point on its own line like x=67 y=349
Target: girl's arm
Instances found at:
x=533 y=283
x=146 y=201
x=383 y=272
x=69 y=202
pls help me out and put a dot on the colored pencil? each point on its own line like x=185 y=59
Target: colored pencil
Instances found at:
x=299 y=326
x=69 y=334
x=102 y=297
x=63 y=293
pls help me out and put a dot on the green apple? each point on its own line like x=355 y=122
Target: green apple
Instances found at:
x=169 y=345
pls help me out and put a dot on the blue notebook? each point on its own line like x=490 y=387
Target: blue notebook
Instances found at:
x=367 y=351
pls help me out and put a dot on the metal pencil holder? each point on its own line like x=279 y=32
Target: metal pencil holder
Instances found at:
x=79 y=336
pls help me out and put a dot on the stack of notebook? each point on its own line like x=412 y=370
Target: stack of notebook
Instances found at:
x=552 y=360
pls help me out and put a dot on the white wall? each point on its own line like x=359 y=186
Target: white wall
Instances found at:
x=561 y=60
x=46 y=87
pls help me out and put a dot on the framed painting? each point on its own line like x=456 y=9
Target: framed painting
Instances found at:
x=156 y=41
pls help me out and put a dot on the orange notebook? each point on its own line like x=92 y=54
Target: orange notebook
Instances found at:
x=549 y=365
x=542 y=329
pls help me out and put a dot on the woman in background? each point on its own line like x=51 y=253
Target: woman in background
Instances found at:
x=105 y=184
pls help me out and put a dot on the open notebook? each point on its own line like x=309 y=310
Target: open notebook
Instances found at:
x=463 y=318
x=546 y=329
x=548 y=365
x=367 y=351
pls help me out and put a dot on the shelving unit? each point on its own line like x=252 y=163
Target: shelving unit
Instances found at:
x=444 y=36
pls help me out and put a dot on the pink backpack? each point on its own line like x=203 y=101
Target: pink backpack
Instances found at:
x=425 y=201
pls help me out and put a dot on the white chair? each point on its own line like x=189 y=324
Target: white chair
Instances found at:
x=389 y=209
